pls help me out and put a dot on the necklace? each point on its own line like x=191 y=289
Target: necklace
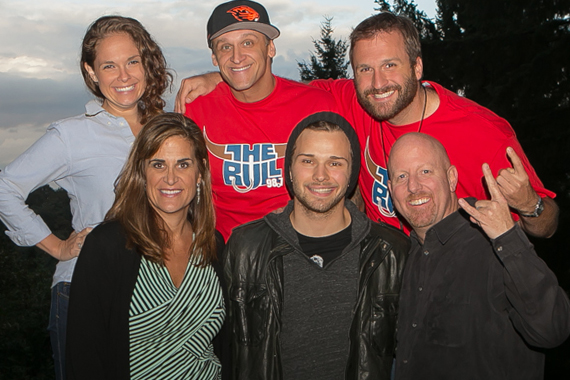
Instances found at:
x=419 y=128
x=424 y=110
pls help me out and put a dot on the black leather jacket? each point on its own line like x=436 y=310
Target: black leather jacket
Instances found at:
x=253 y=267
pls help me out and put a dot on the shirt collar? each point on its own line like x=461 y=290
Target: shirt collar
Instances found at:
x=93 y=108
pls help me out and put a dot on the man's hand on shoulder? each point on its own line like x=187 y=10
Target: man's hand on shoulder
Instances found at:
x=195 y=86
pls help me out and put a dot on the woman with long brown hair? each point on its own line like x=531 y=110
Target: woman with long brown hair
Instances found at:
x=146 y=302
x=126 y=71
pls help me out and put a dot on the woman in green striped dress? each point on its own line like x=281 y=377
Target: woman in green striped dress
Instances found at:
x=145 y=301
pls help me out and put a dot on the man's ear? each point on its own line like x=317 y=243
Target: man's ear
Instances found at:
x=419 y=68
x=271 y=50
x=452 y=178
x=390 y=186
x=214 y=60
x=91 y=72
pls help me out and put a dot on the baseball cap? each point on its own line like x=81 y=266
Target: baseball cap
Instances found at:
x=239 y=15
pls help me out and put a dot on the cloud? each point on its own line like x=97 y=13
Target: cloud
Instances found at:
x=40 y=41
x=17 y=139
x=29 y=105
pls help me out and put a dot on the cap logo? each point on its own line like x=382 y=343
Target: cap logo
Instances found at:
x=244 y=13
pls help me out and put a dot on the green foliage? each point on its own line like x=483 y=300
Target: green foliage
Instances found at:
x=423 y=23
x=25 y=280
x=330 y=58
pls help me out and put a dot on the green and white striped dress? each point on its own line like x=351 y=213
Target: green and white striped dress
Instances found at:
x=171 y=329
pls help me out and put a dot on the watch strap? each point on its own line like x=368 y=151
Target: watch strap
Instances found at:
x=538 y=208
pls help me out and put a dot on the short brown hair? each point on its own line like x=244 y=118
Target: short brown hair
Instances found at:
x=386 y=22
x=157 y=76
x=143 y=226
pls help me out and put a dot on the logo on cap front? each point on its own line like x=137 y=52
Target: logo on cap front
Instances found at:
x=244 y=13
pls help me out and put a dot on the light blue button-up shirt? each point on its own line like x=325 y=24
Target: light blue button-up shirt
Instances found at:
x=83 y=155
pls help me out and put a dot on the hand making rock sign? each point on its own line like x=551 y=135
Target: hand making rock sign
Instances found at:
x=492 y=215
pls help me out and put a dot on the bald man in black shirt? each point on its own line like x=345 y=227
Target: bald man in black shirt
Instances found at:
x=476 y=301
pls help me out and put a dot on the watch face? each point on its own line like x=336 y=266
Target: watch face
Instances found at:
x=539 y=208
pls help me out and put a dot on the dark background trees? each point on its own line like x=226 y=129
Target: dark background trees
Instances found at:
x=329 y=60
x=512 y=56
x=25 y=280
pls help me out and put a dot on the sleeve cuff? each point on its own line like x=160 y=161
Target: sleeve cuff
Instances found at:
x=512 y=242
x=31 y=233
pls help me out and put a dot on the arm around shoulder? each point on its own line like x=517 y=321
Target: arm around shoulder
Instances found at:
x=193 y=87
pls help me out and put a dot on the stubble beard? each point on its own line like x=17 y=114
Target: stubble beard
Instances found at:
x=316 y=207
x=387 y=112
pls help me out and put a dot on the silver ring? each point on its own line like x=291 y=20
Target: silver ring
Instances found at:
x=79 y=245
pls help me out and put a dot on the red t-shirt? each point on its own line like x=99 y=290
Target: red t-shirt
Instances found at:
x=246 y=144
x=471 y=134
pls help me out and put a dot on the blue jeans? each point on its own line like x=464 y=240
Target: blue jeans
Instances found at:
x=57 y=326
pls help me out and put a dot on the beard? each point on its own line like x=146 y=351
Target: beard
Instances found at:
x=387 y=111
x=317 y=206
x=420 y=218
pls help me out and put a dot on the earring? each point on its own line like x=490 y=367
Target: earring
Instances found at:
x=198 y=193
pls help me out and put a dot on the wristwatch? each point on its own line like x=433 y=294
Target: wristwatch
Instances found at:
x=538 y=209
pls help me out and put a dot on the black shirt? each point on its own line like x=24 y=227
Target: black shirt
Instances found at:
x=325 y=249
x=471 y=308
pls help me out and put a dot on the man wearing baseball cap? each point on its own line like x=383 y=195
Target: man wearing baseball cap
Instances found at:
x=247 y=119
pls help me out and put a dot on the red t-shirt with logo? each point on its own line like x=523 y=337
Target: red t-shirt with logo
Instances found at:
x=471 y=134
x=246 y=144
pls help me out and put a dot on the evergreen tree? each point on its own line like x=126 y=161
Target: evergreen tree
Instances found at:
x=513 y=54
x=330 y=58
x=423 y=23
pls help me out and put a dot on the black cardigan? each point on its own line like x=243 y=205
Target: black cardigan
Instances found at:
x=98 y=317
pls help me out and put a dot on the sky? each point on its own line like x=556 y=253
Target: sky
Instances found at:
x=40 y=42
